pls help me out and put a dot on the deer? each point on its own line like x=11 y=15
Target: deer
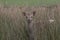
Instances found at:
x=29 y=18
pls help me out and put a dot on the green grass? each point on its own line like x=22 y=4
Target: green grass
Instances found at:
x=14 y=25
x=30 y=2
x=8 y=23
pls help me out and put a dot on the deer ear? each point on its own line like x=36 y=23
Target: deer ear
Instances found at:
x=24 y=13
x=34 y=12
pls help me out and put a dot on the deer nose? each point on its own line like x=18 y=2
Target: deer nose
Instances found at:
x=29 y=21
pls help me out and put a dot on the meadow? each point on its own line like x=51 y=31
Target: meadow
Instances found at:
x=29 y=2
x=13 y=24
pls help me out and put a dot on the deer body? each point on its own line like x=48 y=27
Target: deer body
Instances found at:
x=29 y=18
x=30 y=31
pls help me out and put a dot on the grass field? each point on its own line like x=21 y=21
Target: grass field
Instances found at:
x=13 y=24
x=29 y=2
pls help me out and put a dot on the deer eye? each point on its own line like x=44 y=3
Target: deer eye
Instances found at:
x=34 y=13
x=24 y=13
x=26 y=16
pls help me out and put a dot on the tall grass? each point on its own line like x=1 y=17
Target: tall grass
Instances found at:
x=13 y=24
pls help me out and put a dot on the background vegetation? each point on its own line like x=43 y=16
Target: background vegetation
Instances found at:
x=30 y=2
x=13 y=24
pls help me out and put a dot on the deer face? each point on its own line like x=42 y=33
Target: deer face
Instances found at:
x=29 y=16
